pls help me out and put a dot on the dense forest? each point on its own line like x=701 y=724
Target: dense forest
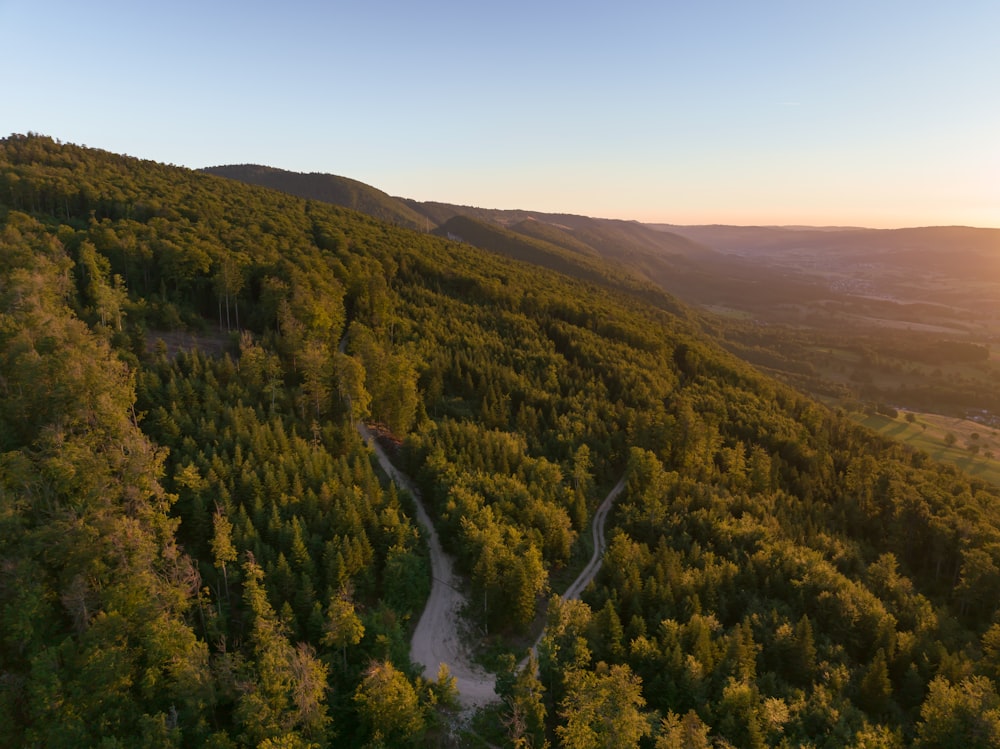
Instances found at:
x=857 y=318
x=197 y=549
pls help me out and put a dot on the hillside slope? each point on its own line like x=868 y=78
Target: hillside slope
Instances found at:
x=677 y=264
x=774 y=575
x=329 y=188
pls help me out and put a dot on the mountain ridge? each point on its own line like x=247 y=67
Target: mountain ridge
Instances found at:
x=715 y=266
x=329 y=188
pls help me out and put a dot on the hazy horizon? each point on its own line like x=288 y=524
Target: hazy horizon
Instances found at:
x=846 y=115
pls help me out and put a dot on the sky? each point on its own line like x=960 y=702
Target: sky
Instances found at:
x=882 y=113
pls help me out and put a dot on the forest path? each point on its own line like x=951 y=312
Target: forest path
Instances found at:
x=436 y=639
x=589 y=572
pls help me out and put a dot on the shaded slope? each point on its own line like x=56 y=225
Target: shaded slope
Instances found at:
x=683 y=267
x=553 y=234
x=529 y=249
x=329 y=188
x=538 y=252
x=630 y=244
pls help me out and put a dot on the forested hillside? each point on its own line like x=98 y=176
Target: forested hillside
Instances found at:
x=196 y=548
x=580 y=246
x=329 y=188
x=843 y=314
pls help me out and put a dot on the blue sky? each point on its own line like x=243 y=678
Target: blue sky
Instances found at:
x=879 y=113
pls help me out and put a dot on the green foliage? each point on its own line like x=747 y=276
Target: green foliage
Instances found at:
x=389 y=707
x=773 y=573
x=688 y=732
x=282 y=689
x=960 y=715
x=602 y=708
x=524 y=706
x=328 y=188
x=94 y=587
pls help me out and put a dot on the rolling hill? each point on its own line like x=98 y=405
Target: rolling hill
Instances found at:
x=776 y=275
x=328 y=188
x=676 y=264
x=766 y=272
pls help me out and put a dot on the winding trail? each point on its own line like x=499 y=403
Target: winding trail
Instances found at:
x=436 y=640
x=589 y=572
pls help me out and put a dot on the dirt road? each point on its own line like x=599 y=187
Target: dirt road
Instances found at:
x=590 y=571
x=600 y=518
x=436 y=639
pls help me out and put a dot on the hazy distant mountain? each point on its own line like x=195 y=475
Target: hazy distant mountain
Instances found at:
x=328 y=188
x=764 y=271
x=564 y=242
x=954 y=267
x=959 y=251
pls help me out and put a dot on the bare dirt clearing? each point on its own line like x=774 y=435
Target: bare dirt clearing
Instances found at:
x=214 y=343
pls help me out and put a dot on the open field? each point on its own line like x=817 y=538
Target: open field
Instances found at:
x=975 y=449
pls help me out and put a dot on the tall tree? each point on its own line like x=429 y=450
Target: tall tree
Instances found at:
x=350 y=375
x=602 y=709
x=223 y=550
x=343 y=627
x=689 y=732
x=283 y=691
x=389 y=707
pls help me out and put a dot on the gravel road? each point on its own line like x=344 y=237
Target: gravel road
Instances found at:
x=436 y=639
x=597 y=528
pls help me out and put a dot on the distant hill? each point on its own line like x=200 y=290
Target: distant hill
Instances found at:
x=328 y=188
x=568 y=243
x=960 y=251
x=612 y=239
x=773 y=274
x=616 y=240
x=572 y=259
x=553 y=234
x=957 y=267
